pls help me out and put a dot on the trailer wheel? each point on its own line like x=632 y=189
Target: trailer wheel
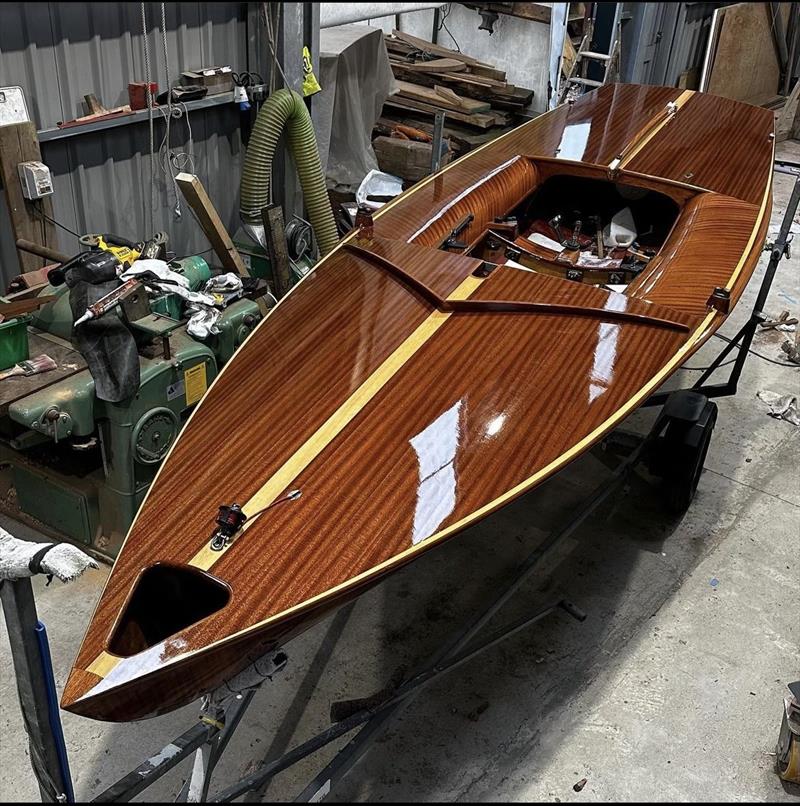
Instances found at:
x=685 y=446
x=789 y=765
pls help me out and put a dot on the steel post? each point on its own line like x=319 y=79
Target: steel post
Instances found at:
x=19 y=609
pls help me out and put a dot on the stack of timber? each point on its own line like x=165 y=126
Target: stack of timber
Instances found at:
x=479 y=104
x=472 y=92
x=404 y=149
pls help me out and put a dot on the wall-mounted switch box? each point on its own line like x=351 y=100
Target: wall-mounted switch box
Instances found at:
x=36 y=180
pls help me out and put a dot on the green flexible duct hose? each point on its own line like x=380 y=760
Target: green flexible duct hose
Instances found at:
x=285 y=109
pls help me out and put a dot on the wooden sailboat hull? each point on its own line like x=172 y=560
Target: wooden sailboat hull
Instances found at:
x=407 y=392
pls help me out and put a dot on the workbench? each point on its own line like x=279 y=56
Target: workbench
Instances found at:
x=69 y=361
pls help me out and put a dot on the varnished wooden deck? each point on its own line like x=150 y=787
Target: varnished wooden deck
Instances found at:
x=405 y=406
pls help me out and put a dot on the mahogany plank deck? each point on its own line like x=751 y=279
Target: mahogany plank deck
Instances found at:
x=406 y=396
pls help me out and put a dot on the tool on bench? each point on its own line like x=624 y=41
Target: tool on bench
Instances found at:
x=109 y=256
x=92 y=267
x=110 y=300
x=124 y=251
x=33 y=366
x=155 y=248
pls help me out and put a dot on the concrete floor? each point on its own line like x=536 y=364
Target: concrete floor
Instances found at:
x=670 y=690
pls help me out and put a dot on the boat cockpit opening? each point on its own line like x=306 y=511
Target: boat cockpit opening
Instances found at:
x=584 y=228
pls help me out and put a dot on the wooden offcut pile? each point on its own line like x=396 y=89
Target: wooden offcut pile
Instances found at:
x=478 y=102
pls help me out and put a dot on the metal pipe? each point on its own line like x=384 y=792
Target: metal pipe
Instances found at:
x=52 y=708
x=438 y=139
x=558 y=33
x=41 y=251
x=332 y=14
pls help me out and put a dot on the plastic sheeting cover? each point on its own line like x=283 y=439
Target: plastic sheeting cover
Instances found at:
x=356 y=79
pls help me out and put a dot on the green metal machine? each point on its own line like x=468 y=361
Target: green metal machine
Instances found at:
x=79 y=467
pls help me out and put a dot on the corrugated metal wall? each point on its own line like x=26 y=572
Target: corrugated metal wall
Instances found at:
x=58 y=52
x=691 y=39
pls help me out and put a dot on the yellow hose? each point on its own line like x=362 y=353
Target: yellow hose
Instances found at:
x=284 y=109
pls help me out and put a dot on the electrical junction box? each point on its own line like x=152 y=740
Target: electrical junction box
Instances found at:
x=36 y=180
x=12 y=106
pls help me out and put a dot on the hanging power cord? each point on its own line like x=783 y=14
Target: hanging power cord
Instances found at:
x=177 y=160
x=40 y=212
x=271 y=27
x=443 y=24
x=241 y=96
x=165 y=152
x=149 y=98
x=183 y=160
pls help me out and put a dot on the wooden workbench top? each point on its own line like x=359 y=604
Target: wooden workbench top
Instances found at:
x=69 y=361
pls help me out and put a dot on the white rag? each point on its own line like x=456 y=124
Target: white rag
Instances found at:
x=781 y=407
x=542 y=240
x=225 y=288
x=172 y=282
x=621 y=230
x=378 y=183
x=65 y=561
x=224 y=283
x=203 y=322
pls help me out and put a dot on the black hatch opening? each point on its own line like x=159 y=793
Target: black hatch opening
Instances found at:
x=595 y=202
x=165 y=600
x=593 y=230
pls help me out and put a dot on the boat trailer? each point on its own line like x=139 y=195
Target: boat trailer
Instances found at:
x=675 y=449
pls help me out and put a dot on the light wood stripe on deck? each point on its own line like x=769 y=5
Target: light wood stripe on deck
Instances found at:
x=649 y=132
x=279 y=482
